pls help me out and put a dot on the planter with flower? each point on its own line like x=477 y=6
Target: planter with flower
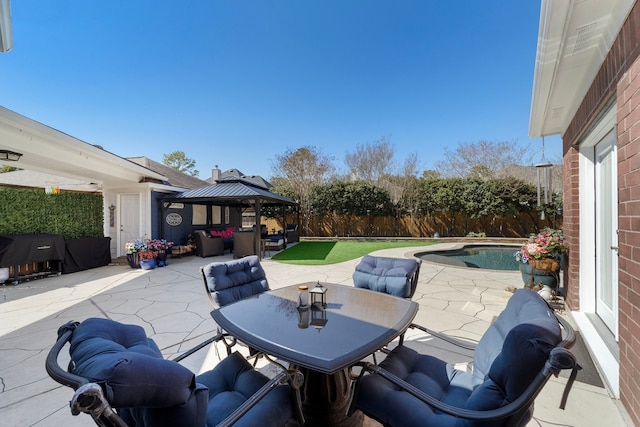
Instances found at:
x=540 y=258
x=133 y=250
x=160 y=247
x=147 y=260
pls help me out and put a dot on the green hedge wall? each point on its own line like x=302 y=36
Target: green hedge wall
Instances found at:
x=71 y=214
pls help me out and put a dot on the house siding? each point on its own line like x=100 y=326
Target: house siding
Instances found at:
x=619 y=79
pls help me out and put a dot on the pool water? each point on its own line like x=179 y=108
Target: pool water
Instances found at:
x=493 y=257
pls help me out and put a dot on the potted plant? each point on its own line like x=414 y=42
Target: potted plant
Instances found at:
x=147 y=260
x=160 y=247
x=540 y=257
x=133 y=249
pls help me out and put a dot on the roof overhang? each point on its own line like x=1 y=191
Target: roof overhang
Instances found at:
x=45 y=149
x=574 y=38
x=6 y=36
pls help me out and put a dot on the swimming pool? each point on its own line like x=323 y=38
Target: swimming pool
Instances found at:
x=492 y=257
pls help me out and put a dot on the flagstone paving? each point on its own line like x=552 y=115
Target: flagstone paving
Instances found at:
x=170 y=303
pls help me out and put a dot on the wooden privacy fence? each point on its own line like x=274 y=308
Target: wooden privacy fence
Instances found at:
x=443 y=223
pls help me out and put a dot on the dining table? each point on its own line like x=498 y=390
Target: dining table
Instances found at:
x=322 y=339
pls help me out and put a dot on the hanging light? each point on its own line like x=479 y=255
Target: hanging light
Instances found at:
x=9 y=155
x=544 y=182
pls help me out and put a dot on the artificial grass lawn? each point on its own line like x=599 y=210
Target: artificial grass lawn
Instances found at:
x=332 y=252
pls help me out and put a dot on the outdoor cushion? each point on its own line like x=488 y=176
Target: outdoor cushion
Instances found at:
x=232 y=382
x=235 y=280
x=152 y=392
x=528 y=336
x=227 y=233
x=388 y=275
x=129 y=366
x=523 y=307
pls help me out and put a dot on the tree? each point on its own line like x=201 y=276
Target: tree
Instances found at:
x=371 y=162
x=180 y=162
x=481 y=159
x=301 y=170
x=351 y=197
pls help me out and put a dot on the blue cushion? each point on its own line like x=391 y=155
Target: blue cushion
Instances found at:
x=522 y=338
x=380 y=398
x=191 y=413
x=524 y=353
x=235 y=280
x=135 y=378
x=128 y=365
x=388 y=275
x=524 y=306
x=232 y=382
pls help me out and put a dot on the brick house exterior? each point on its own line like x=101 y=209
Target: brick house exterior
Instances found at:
x=600 y=101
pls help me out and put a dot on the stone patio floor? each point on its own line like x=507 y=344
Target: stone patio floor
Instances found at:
x=170 y=303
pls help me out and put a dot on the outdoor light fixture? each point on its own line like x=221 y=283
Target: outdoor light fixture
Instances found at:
x=319 y=296
x=11 y=156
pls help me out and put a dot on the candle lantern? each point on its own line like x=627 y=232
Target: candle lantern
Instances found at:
x=319 y=295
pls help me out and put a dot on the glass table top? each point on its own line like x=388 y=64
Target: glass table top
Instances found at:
x=355 y=323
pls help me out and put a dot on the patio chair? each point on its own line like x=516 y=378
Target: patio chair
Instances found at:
x=121 y=379
x=292 y=234
x=207 y=245
x=231 y=281
x=511 y=364
x=244 y=243
x=394 y=276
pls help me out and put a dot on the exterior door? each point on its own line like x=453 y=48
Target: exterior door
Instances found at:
x=606 y=234
x=129 y=219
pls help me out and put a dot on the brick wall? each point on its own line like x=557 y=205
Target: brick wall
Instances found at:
x=571 y=226
x=619 y=79
x=629 y=237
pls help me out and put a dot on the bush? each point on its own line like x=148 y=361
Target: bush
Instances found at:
x=70 y=214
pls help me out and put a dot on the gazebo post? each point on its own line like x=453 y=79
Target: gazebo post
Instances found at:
x=257 y=242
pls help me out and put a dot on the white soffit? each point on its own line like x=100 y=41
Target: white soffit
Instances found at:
x=574 y=38
x=45 y=149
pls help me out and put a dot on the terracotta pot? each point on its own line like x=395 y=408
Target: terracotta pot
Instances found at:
x=545 y=264
x=533 y=276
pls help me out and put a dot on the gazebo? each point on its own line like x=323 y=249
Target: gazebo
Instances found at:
x=234 y=192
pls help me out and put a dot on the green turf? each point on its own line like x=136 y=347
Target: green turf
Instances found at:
x=332 y=252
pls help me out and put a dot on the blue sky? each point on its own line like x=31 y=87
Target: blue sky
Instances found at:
x=236 y=82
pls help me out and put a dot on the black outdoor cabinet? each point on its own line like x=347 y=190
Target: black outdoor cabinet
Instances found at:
x=30 y=256
x=85 y=253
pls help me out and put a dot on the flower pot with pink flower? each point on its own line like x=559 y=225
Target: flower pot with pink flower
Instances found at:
x=540 y=258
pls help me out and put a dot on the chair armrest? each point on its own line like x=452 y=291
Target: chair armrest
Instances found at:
x=51 y=365
x=559 y=359
x=467 y=345
x=569 y=336
x=198 y=347
x=88 y=397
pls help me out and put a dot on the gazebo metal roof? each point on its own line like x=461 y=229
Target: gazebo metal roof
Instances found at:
x=231 y=191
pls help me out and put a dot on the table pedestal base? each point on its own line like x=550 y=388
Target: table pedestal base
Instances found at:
x=325 y=399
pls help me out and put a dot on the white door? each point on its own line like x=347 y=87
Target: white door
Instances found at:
x=606 y=233
x=129 y=219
